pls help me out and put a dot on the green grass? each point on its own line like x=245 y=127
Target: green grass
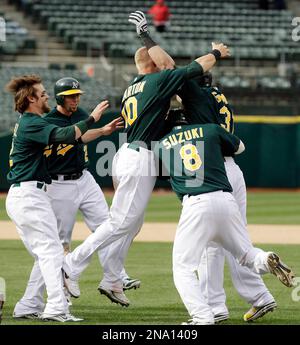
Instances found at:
x=263 y=208
x=3 y=214
x=156 y=302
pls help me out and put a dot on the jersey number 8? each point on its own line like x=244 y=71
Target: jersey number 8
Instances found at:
x=190 y=157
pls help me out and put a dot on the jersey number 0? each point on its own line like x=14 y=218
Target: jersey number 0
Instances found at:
x=129 y=111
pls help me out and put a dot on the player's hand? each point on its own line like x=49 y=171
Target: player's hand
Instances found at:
x=99 y=110
x=114 y=125
x=224 y=50
x=139 y=20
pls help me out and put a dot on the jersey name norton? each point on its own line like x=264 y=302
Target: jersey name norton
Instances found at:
x=206 y=105
x=26 y=159
x=193 y=157
x=66 y=158
x=147 y=100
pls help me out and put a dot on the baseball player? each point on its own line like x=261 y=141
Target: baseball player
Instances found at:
x=73 y=188
x=27 y=202
x=1 y=308
x=144 y=105
x=193 y=156
x=2 y=296
x=205 y=104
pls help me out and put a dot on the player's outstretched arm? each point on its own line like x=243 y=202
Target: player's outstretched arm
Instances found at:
x=219 y=51
x=94 y=117
x=159 y=56
x=108 y=129
x=69 y=134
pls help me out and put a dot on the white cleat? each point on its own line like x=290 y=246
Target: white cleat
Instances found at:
x=71 y=285
x=60 y=318
x=68 y=297
x=221 y=317
x=129 y=284
x=197 y=322
x=29 y=316
x=1 y=308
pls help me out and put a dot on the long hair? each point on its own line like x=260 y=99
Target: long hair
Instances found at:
x=22 y=88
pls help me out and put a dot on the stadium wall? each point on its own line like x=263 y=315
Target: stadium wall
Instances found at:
x=272 y=156
x=271 y=159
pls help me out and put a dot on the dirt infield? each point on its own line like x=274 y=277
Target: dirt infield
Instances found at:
x=164 y=232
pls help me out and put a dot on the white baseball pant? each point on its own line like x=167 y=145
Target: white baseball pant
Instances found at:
x=209 y=217
x=136 y=175
x=84 y=194
x=66 y=198
x=248 y=284
x=30 y=209
x=116 y=253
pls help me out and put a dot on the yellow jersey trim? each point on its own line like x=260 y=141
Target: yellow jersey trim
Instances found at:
x=282 y=120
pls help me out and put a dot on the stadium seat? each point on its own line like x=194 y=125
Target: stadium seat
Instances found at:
x=95 y=90
x=231 y=21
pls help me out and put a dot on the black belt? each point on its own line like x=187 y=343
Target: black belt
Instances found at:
x=68 y=177
x=220 y=190
x=39 y=185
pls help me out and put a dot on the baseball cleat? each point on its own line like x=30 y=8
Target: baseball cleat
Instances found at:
x=280 y=270
x=71 y=285
x=60 y=318
x=196 y=321
x=256 y=312
x=2 y=296
x=68 y=297
x=67 y=248
x=115 y=297
x=221 y=317
x=30 y=316
x=129 y=284
x=1 y=309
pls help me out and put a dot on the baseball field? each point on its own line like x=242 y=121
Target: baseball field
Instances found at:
x=274 y=219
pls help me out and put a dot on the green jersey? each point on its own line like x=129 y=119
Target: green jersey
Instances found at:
x=193 y=157
x=206 y=105
x=66 y=158
x=26 y=160
x=147 y=100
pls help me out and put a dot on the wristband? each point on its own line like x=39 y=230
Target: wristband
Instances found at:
x=147 y=40
x=90 y=121
x=216 y=53
x=85 y=125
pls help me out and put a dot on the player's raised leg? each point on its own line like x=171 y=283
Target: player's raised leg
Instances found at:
x=129 y=202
